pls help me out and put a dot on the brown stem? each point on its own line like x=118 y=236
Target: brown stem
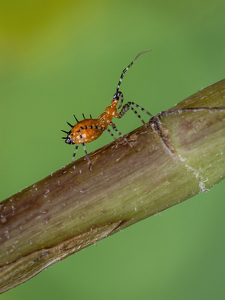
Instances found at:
x=178 y=154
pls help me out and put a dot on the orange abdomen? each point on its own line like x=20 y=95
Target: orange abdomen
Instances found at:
x=88 y=135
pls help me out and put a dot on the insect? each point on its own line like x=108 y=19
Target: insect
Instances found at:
x=88 y=130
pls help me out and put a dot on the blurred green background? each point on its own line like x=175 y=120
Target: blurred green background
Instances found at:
x=59 y=58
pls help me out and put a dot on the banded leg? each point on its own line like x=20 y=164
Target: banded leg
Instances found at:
x=74 y=153
x=125 y=108
x=141 y=108
x=112 y=135
x=120 y=96
x=82 y=140
x=83 y=145
x=120 y=134
x=128 y=106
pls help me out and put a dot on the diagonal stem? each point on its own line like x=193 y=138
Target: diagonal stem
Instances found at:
x=179 y=153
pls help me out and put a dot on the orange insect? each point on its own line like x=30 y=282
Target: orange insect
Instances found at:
x=88 y=130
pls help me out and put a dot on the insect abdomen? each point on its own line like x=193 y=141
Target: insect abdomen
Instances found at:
x=88 y=134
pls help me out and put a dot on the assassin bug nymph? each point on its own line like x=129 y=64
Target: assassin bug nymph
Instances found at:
x=88 y=130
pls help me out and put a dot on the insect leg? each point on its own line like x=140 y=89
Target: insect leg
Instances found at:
x=120 y=134
x=125 y=108
x=83 y=145
x=82 y=140
x=120 y=95
x=128 y=106
x=74 y=153
x=112 y=135
x=141 y=108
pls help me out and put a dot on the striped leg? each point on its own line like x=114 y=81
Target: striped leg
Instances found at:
x=120 y=134
x=125 y=108
x=74 y=153
x=112 y=135
x=141 y=108
x=82 y=140
x=120 y=95
x=83 y=145
x=128 y=106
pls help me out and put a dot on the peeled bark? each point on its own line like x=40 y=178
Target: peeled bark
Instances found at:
x=176 y=155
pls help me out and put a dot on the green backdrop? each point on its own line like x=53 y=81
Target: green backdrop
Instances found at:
x=59 y=58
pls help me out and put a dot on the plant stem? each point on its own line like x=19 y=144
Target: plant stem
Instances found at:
x=178 y=154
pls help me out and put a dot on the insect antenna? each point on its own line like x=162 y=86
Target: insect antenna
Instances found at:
x=118 y=94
